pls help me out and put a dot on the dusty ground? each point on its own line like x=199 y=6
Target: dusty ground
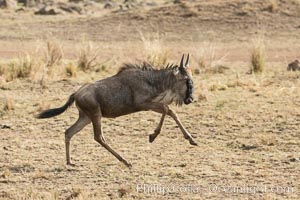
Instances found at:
x=246 y=126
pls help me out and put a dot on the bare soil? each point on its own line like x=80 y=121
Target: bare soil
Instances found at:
x=246 y=126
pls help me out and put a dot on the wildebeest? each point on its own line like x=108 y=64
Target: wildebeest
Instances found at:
x=136 y=87
x=294 y=66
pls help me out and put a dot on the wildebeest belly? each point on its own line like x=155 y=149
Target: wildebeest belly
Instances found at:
x=116 y=100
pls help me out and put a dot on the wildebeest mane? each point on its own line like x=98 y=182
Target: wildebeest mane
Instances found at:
x=145 y=66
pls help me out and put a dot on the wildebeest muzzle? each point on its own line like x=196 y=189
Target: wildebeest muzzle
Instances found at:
x=189 y=92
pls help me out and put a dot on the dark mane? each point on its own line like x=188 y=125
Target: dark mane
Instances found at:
x=145 y=66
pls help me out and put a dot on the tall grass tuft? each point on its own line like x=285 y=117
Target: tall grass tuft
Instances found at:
x=208 y=61
x=54 y=53
x=156 y=53
x=71 y=70
x=258 y=56
x=87 y=56
x=18 y=68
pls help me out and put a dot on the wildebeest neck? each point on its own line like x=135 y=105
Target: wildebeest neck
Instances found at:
x=161 y=80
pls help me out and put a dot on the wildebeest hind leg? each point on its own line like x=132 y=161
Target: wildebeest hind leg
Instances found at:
x=99 y=138
x=82 y=121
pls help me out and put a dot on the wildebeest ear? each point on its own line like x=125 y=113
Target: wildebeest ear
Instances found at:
x=181 y=62
x=187 y=63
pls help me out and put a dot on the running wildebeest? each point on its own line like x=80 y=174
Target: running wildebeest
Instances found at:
x=134 y=88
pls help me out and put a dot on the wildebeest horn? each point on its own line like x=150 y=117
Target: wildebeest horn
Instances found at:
x=181 y=62
x=187 y=60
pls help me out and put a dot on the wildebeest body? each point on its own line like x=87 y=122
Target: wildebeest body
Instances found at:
x=134 y=88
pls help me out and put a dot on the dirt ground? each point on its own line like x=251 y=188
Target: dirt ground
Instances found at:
x=246 y=125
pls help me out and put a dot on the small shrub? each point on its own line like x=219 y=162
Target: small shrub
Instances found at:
x=258 y=57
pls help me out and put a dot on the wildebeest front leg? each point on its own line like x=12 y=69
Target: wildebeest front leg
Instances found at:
x=186 y=134
x=160 y=108
x=99 y=138
x=158 y=128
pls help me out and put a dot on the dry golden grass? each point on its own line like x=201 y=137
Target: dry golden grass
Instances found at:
x=71 y=70
x=53 y=54
x=18 y=68
x=9 y=104
x=87 y=56
x=155 y=51
x=258 y=56
x=6 y=174
x=43 y=106
x=266 y=139
x=40 y=175
x=207 y=61
x=273 y=6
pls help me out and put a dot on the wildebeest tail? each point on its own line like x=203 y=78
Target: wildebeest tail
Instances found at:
x=57 y=111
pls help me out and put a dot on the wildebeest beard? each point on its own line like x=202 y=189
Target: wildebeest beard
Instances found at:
x=189 y=92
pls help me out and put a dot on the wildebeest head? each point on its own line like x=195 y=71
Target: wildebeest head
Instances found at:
x=184 y=86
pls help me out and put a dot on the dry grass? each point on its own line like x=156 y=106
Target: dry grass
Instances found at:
x=53 y=54
x=78 y=193
x=42 y=105
x=258 y=56
x=266 y=139
x=6 y=174
x=273 y=6
x=71 y=70
x=17 y=68
x=9 y=104
x=207 y=61
x=25 y=66
x=40 y=175
x=155 y=51
x=87 y=56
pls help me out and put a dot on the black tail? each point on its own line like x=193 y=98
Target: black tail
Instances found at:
x=56 y=111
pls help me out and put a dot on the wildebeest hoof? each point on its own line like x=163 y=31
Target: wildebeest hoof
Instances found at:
x=192 y=142
x=71 y=164
x=129 y=165
x=152 y=138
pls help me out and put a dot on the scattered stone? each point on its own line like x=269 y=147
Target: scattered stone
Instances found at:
x=76 y=1
x=4 y=126
x=294 y=66
x=71 y=8
x=294 y=159
x=109 y=5
x=48 y=10
x=248 y=147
